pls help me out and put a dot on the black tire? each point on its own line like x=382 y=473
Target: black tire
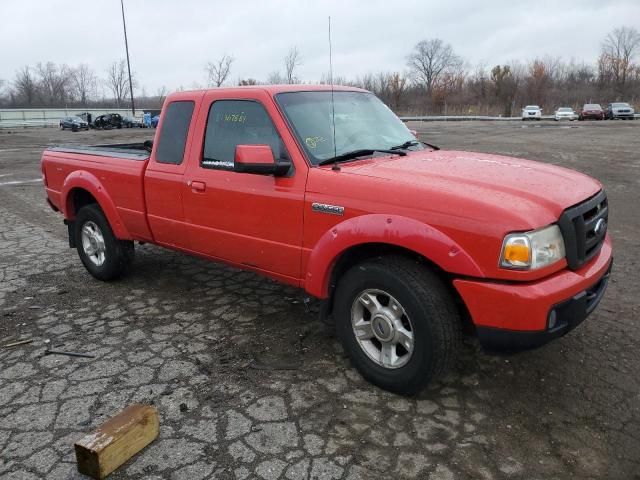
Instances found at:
x=434 y=321
x=118 y=254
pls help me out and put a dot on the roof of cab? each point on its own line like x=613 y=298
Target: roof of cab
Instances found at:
x=275 y=89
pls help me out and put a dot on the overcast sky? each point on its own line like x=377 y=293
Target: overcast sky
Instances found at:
x=170 y=41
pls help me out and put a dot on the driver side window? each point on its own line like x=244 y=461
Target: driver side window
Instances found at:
x=237 y=122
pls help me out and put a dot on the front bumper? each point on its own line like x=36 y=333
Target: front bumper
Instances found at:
x=519 y=316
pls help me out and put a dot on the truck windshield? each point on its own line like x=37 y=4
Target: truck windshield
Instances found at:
x=362 y=122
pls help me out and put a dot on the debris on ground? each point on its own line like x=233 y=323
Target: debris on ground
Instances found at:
x=117 y=440
x=69 y=354
x=15 y=344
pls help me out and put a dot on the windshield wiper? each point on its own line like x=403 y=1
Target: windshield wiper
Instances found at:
x=411 y=143
x=359 y=153
x=405 y=145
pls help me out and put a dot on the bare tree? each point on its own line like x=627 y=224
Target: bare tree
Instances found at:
x=618 y=51
x=54 y=83
x=325 y=79
x=291 y=61
x=245 y=82
x=3 y=92
x=117 y=81
x=381 y=86
x=84 y=83
x=161 y=94
x=275 y=78
x=397 y=89
x=218 y=71
x=504 y=88
x=433 y=61
x=25 y=86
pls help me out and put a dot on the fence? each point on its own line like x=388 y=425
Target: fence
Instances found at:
x=432 y=118
x=452 y=118
x=50 y=117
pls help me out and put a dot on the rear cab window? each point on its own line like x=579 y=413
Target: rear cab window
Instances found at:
x=173 y=134
x=238 y=122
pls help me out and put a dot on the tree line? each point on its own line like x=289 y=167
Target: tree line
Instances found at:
x=436 y=81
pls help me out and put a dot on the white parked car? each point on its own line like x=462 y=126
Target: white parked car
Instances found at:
x=531 y=112
x=565 y=113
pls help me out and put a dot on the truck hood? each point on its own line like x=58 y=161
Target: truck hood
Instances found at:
x=539 y=192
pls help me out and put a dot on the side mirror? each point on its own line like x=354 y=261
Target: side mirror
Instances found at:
x=258 y=159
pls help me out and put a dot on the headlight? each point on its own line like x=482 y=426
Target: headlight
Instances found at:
x=532 y=250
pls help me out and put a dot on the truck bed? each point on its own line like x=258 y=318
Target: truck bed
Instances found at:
x=127 y=151
x=115 y=175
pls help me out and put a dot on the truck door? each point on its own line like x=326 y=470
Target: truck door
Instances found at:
x=163 y=181
x=247 y=219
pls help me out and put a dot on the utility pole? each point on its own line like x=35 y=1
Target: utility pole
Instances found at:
x=126 y=46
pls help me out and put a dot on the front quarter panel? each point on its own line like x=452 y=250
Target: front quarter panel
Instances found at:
x=387 y=229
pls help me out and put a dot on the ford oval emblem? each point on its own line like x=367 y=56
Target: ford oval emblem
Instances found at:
x=600 y=228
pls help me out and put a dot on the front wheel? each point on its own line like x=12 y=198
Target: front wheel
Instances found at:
x=397 y=322
x=103 y=255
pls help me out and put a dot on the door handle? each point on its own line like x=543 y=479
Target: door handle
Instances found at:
x=198 y=186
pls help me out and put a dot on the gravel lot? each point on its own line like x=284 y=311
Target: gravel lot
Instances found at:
x=250 y=385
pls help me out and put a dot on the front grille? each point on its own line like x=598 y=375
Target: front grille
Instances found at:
x=584 y=228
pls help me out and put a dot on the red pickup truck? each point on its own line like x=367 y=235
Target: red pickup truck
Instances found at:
x=404 y=244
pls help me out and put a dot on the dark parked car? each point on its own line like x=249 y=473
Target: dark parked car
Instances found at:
x=73 y=123
x=108 y=120
x=620 y=110
x=131 y=122
x=591 y=110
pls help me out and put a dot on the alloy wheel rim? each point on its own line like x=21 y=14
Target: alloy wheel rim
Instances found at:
x=93 y=243
x=382 y=328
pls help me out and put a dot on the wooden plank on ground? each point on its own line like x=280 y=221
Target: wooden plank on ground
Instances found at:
x=117 y=440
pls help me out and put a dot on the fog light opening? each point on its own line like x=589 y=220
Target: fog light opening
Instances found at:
x=553 y=320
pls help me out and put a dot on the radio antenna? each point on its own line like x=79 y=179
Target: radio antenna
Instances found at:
x=333 y=110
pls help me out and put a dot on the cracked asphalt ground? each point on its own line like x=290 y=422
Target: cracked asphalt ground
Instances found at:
x=249 y=384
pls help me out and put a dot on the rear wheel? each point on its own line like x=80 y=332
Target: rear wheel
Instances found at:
x=103 y=255
x=397 y=322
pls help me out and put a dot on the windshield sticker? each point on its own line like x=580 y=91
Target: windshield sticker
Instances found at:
x=312 y=142
x=235 y=117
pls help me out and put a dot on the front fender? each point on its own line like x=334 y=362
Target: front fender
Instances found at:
x=87 y=181
x=388 y=229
